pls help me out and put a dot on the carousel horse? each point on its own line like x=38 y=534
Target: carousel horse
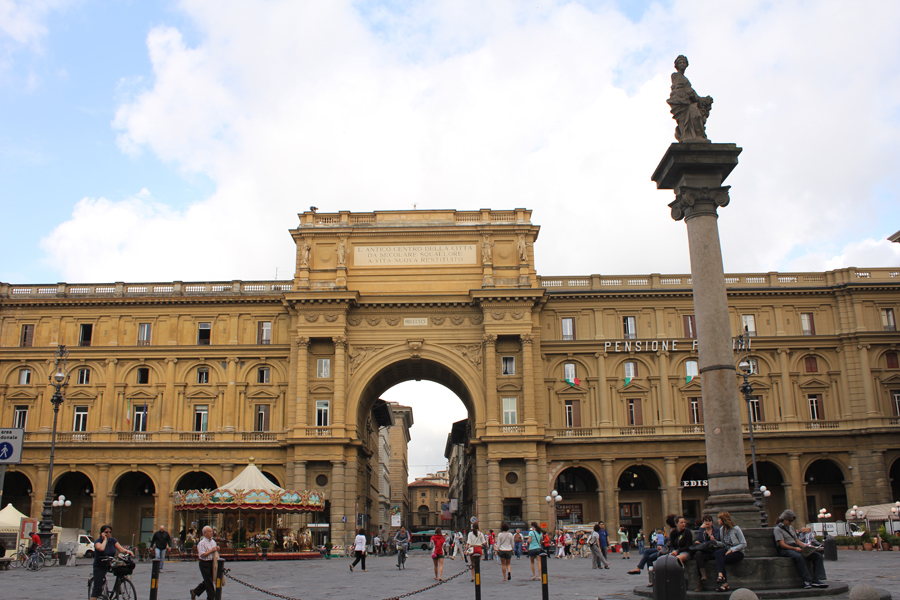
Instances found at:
x=289 y=541
x=306 y=544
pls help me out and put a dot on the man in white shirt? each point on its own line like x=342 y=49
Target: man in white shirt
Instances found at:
x=207 y=552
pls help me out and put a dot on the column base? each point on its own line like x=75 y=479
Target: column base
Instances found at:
x=741 y=507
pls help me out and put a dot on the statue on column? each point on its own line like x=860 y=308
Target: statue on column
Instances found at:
x=341 y=252
x=689 y=110
x=486 y=253
x=304 y=253
x=522 y=249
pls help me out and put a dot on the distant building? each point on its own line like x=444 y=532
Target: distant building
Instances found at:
x=426 y=494
x=399 y=464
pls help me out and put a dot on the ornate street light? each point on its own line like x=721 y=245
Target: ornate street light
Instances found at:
x=823 y=517
x=59 y=380
x=552 y=499
x=759 y=494
x=895 y=513
x=61 y=504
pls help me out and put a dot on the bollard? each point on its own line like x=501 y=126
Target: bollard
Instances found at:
x=668 y=579
x=545 y=584
x=830 y=548
x=476 y=569
x=154 y=579
x=220 y=578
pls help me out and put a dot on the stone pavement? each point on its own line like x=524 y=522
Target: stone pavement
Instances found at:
x=321 y=579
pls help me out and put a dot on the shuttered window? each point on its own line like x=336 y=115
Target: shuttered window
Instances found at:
x=26 y=340
x=635 y=415
x=690 y=328
x=695 y=409
x=573 y=413
x=811 y=364
x=892 y=362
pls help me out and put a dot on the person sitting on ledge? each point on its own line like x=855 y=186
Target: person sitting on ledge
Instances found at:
x=651 y=554
x=789 y=545
x=704 y=548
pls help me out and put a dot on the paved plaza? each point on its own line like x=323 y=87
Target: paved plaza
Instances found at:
x=321 y=580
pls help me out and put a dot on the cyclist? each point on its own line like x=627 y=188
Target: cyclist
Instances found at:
x=401 y=539
x=35 y=543
x=105 y=547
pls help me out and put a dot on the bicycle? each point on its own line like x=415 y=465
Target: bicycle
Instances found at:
x=35 y=561
x=121 y=566
x=19 y=558
x=401 y=556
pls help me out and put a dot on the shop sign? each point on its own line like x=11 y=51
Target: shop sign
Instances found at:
x=695 y=483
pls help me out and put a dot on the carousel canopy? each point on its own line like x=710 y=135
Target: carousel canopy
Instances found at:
x=250 y=490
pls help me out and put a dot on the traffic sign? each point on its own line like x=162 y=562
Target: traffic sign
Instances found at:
x=11 y=446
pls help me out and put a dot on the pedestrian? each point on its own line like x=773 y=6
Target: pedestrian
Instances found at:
x=598 y=559
x=505 y=543
x=623 y=539
x=604 y=543
x=457 y=545
x=639 y=541
x=208 y=557
x=105 y=547
x=182 y=535
x=376 y=541
x=517 y=541
x=534 y=538
x=437 y=555
x=491 y=540
x=401 y=540
x=359 y=549
x=568 y=541
x=160 y=542
x=475 y=544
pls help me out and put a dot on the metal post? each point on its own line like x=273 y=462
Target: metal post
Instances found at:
x=154 y=579
x=220 y=578
x=747 y=389
x=476 y=569
x=545 y=585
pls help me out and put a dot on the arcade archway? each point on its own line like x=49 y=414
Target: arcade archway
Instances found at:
x=694 y=491
x=824 y=489
x=640 y=501
x=895 y=480
x=770 y=476
x=133 y=508
x=76 y=487
x=581 y=502
x=17 y=491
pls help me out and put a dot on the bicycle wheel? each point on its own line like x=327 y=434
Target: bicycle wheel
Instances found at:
x=90 y=585
x=124 y=590
x=19 y=560
x=50 y=559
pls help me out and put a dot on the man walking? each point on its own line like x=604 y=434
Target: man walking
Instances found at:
x=789 y=545
x=207 y=552
x=160 y=542
x=604 y=543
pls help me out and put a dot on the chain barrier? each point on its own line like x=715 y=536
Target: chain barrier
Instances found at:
x=283 y=597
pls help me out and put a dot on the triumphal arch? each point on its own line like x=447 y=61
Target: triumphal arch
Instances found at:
x=446 y=296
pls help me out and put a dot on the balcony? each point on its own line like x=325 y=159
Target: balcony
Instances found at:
x=135 y=436
x=318 y=432
x=163 y=437
x=197 y=436
x=512 y=429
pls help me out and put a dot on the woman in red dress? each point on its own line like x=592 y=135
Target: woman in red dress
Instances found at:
x=437 y=555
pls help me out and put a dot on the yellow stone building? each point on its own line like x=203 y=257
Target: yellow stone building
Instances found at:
x=175 y=385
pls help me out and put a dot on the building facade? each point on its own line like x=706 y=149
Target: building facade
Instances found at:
x=400 y=437
x=587 y=385
x=426 y=495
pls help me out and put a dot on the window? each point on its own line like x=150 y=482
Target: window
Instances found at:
x=26 y=340
x=24 y=376
x=573 y=413
x=629 y=328
x=144 y=331
x=509 y=411
x=323 y=367
x=815 y=407
x=887 y=319
x=748 y=322
x=756 y=409
x=630 y=370
x=691 y=369
x=754 y=366
x=85 y=334
x=807 y=324
x=80 y=423
x=201 y=417
x=569 y=372
x=892 y=362
x=83 y=377
x=568 y=329
x=20 y=417
x=140 y=418
x=322 y=419
x=811 y=364
x=509 y=365
x=264 y=332
x=635 y=417
x=262 y=375
x=261 y=422
x=423 y=494
x=690 y=326
x=895 y=402
x=203 y=375
x=695 y=408
x=143 y=375
x=423 y=521
x=204 y=334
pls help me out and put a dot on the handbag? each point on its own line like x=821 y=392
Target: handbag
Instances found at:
x=477 y=550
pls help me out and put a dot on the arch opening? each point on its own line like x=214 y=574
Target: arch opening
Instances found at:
x=824 y=489
x=771 y=477
x=581 y=501
x=17 y=491
x=76 y=487
x=195 y=480
x=640 y=499
x=694 y=491
x=895 y=480
x=133 y=511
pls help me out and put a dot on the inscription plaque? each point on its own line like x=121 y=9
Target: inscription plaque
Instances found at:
x=424 y=254
x=415 y=322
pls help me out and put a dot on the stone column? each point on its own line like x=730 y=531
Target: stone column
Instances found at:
x=109 y=399
x=227 y=473
x=666 y=410
x=340 y=378
x=230 y=396
x=300 y=475
x=673 y=486
x=695 y=171
x=796 y=501
x=844 y=400
x=609 y=491
x=494 y=494
x=787 y=389
x=603 y=389
x=528 y=376
x=339 y=529
x=168 y=412
x=39 y=491
x=302 y=370
x=99 y=514
x=164 y=497
x=866 y=374
x=532 y=491
x=490 y=381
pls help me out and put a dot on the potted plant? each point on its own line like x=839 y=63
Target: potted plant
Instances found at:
x=264 y=546
x=328 y=547
x=142 y=550
x=866 y=540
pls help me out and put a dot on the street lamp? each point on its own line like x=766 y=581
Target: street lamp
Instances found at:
x=58 y=380
x=895 y=512
x=758 y=493
x=552 y=499
x=61 y=504
x=823 y=517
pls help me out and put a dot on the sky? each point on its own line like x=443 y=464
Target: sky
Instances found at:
x=161 y=141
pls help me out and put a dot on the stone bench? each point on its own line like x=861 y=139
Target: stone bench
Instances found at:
x=4 y=563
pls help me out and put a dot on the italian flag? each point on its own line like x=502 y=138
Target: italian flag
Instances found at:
x=128 y=412
x=688 y=378
x=627 y=381
x=573 y=382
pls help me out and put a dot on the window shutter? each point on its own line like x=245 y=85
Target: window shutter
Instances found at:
x=811 y=365
x=812 y=325
x=576 y=413
x=638 y=414
x=700 y=407
x=892 y=362
x=259 y=332
x=689 y=331
x=27 y=335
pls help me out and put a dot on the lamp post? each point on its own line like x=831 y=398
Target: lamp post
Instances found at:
x=59 y=380
x=552 y=499
x=895 y=513
x=61 y=504
x=823 y=517
x=759 y=494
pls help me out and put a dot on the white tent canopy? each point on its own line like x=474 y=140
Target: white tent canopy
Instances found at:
x=874 y=512
x=10 y=517
x=251 y=478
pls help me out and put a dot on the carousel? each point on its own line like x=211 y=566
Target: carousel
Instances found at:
x=247 y=515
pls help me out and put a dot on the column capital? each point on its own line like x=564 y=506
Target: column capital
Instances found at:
x=171 y=360
x=490 y=339
x=783 y=351
x=340 y=341
x=527 y=338
x=112 y=361
x=794 y=455
x=607 y=461
x=301 y=341
x=164 y=467
x=863 y=346
x=670 y=459
x=697 y=201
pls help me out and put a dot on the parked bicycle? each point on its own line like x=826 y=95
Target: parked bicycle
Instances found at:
x=36 y=560
x=121 y=566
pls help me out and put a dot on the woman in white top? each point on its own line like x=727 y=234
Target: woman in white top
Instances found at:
x=359 y=548
x=474 y=544
x=505 y=544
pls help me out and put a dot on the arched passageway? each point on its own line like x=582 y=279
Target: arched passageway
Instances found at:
x=76 y=487
x=824 y=489
x=640 y=502
x=581 y=502
x=770 y=476
x=895 y=480
x=133 y=508
x=694 y=492
x=17 y=491
x=193 y=480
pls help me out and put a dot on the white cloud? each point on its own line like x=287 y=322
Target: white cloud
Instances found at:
x=22 y=25
x=467 y=105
